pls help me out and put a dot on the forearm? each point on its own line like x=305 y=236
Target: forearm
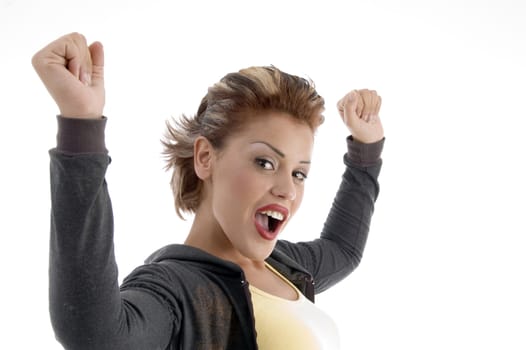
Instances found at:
x=346 y=229
x=353 y=206
x=86 y=306
x=339 y=249
x=83 y=272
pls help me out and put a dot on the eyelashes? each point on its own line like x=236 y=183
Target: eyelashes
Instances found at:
x=267 y=164
x=264 y=163
x=299 y=175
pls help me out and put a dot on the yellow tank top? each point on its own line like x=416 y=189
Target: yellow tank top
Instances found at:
x=283 y=324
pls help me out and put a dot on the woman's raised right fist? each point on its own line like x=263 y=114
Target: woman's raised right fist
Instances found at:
x=73 y=73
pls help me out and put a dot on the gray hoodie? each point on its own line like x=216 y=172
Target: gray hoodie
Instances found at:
x=182 y=297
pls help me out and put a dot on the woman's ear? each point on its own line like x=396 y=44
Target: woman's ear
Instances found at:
x=203 y=154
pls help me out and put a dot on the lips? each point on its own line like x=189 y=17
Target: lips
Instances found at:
x=269 y=220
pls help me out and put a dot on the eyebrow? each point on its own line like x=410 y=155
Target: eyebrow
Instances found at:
x=278 y=152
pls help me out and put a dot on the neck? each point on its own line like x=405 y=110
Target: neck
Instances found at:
x=206 y=234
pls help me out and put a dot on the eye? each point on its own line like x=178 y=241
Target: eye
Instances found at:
x=299 y=175
x=264 y=163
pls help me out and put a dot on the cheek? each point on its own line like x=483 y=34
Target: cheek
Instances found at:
x=299 y=198
x=241 y=182
x=238 y=188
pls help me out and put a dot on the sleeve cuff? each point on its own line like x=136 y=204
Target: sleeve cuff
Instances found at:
x=81 y=135
x=363 y=154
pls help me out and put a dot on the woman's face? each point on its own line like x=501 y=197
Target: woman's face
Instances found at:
x=258 y=180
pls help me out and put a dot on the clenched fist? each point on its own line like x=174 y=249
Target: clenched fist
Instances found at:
x=73 y=73
x=359 y=110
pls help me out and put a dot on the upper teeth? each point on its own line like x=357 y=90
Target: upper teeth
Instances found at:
x=273 y=214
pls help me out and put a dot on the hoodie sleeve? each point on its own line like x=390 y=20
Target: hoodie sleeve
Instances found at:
x=339 y=249
x=87 y=308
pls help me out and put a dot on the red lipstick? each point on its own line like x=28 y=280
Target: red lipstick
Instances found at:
x=269 y=220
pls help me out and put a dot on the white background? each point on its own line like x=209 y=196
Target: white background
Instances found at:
x=445 y=263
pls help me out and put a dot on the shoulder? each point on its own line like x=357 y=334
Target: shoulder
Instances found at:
x=180 y=266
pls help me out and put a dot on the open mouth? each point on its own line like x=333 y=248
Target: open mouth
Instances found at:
x=269 y=222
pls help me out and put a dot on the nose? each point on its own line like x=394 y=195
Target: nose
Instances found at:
x=284 y=187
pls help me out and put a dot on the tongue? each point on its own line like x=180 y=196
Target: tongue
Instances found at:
x=262 y=219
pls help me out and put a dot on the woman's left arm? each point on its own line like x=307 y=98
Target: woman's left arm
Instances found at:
x=339 y=249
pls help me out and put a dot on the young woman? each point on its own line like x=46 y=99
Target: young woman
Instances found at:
x=239 y=165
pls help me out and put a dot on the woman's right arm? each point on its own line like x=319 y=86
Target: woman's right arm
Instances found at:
x=88 y=310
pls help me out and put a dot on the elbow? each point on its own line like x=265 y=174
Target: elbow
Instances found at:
x=74 y=331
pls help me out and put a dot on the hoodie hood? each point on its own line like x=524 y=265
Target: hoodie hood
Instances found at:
x=301 y=278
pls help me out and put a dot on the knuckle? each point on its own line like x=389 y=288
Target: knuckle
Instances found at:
x=76 y=35
x=77 y=38
x=35 y=60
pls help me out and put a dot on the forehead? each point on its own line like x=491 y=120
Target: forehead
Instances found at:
x=278 y=128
